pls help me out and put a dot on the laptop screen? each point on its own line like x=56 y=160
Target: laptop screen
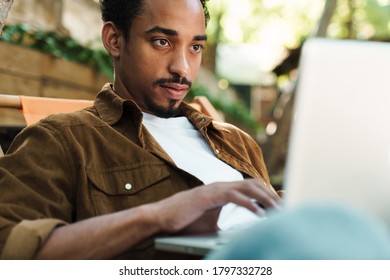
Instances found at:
x=339 y=147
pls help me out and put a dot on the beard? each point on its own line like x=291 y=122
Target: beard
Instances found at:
x=160 y=111
x=173 y=106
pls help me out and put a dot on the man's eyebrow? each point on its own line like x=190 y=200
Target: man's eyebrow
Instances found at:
x=172 y=32
x=159 y=29
x=200 y=38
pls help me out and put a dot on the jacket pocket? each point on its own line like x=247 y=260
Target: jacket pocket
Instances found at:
x=116 y=189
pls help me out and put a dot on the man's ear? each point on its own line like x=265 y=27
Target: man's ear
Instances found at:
x=112 y=38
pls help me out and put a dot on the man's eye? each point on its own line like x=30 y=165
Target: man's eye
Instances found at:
x=197 y=48
x=161 y=42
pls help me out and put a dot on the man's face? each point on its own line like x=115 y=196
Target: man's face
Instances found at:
x=162 y=55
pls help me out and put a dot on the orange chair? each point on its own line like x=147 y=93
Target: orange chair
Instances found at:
x=36 y=108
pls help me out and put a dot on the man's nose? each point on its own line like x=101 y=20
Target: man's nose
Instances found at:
x=179 y=64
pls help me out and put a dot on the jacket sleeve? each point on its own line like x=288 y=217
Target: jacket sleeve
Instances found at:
x=36 y=194
x=27 y=237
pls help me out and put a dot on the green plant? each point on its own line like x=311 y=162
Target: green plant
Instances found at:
x=58 y=46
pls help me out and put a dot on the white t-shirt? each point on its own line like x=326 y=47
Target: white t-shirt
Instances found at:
x=191 y=152
x=189 y=149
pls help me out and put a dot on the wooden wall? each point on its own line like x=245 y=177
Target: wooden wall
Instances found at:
x=28 y=72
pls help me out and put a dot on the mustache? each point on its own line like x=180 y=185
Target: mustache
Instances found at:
x=173 y=80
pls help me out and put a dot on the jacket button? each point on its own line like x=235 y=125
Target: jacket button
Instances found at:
x=128 y=186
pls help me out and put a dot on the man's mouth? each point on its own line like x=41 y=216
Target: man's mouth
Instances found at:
x=175 y=91
x=174 y=88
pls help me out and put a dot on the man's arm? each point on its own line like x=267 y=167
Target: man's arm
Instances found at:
x=101 y=237
x=107 y=236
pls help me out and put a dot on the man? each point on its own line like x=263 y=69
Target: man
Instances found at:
x=101 y=182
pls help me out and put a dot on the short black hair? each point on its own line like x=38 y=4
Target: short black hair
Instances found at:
x=123 y=12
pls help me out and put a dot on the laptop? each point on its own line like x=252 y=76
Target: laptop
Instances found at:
x=339 y=146
x=231 y=219
x=198 y=245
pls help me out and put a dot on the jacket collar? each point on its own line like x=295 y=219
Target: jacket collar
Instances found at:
x=111 y=107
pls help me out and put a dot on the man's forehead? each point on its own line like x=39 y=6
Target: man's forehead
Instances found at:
x=174 y=14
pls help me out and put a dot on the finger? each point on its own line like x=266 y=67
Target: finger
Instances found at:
x=267 y=188
x=262 y=194
x=243 y=200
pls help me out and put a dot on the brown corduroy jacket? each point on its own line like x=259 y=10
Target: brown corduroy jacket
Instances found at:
x=75 y=166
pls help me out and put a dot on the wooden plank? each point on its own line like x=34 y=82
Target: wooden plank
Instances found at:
x=13 y=84
x=11 y=117
x=28 y=72
x=52 y=88
x=20 y=60
x=69 y=72
x=100 y=81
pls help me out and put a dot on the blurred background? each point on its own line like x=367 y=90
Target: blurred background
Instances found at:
x=52 y=48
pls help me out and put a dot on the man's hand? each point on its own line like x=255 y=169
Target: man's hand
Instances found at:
x=197 y=210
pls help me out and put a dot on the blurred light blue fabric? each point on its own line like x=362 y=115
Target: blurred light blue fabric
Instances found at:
x=323 y=231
